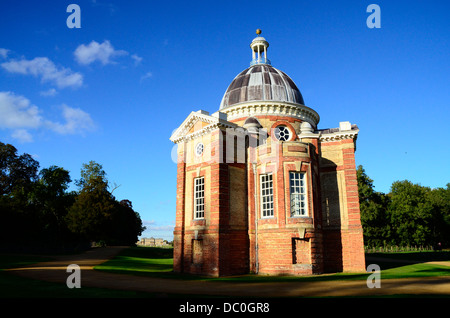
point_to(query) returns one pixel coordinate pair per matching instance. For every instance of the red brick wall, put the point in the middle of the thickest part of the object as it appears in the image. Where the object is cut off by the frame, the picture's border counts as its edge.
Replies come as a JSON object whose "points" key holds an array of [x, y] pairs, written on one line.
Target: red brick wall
{"points": [[280, 250], [352, 239], [344, 247], [214, 246], [178, 239], [219, 246]]}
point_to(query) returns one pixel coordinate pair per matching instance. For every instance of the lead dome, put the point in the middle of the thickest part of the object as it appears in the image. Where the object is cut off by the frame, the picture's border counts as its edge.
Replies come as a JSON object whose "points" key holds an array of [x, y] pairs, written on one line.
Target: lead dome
{"points": [[261, 81]]}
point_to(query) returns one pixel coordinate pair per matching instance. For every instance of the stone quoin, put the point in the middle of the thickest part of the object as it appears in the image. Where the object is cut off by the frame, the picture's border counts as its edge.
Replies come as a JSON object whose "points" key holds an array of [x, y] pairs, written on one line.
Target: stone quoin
{"points": [[260, 188]]}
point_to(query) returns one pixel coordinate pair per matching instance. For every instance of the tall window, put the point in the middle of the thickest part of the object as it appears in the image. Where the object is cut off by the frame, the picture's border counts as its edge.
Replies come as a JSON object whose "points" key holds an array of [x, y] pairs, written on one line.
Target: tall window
{"points": [[199, 198], [266, 195], [299, 205]]}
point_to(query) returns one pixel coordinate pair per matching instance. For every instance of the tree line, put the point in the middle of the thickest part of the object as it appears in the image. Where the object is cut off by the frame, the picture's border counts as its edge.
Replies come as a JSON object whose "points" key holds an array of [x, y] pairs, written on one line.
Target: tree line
{"points": [[39, 214], [409, 215]]}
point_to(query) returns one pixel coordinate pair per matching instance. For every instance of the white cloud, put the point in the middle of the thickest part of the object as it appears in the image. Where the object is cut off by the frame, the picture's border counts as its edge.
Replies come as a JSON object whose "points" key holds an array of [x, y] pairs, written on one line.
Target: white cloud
{"points": [[104, 53], [45, 69], [4, 53], [50, 92], [22, 135], [137, 59], [146, 75], [77, 122], [18, 112], [160, 228], [151, 226]]}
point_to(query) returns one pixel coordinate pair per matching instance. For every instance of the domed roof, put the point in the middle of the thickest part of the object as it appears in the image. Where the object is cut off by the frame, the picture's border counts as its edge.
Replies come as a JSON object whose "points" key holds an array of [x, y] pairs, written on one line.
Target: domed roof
{"points": [[261, 82]]}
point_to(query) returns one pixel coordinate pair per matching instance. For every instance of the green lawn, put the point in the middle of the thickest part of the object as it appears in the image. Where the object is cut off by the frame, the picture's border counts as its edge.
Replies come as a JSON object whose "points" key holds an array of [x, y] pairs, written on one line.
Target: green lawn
{"points": [[12, 286], [148, 261], [19, 260], [158, 262]]}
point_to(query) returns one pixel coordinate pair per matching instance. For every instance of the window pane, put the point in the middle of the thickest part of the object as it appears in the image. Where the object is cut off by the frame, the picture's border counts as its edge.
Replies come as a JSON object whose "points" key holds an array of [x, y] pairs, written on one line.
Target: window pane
{"points": [[298, 194], [199, 201], [266, 190]]}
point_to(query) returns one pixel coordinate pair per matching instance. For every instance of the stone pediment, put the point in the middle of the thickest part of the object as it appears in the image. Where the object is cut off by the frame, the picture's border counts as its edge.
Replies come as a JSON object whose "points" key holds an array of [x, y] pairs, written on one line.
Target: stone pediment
{"points": [[199, 123]]}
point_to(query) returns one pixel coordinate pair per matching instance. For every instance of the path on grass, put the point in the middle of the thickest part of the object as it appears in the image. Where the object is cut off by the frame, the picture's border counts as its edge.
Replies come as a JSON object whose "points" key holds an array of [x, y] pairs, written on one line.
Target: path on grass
{"points": [[55, 271]]}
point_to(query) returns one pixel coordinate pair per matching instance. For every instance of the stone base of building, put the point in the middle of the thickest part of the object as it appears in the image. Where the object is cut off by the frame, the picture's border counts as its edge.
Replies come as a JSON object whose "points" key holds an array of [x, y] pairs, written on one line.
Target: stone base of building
{"points": [[211, 254]]}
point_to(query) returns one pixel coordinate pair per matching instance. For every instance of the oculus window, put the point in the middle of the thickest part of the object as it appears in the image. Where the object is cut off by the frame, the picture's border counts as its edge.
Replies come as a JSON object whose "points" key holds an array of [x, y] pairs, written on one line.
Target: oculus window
{"points": [[282, 133], [199, 149]]}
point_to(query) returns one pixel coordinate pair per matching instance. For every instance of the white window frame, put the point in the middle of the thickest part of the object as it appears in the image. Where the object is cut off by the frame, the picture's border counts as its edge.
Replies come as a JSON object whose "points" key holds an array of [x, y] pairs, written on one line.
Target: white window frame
{"points": [[277, 132], [298, 193], [199, 198], [266, 195], [199, 148]]}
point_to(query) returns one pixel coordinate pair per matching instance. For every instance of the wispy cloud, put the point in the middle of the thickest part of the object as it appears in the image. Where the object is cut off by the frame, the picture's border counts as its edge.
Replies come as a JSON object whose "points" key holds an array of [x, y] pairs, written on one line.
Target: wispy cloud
{"points": [[50, 92], [22, 135], [77, 121], [112, 8], [94, 51], [4, 53], [146, 75], [45, 69], [19, 114], [151, 226], [137, 59]]}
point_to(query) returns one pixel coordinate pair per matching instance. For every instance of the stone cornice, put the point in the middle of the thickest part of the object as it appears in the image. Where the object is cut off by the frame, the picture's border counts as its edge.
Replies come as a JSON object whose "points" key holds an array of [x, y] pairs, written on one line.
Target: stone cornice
{"points": [[265, 108], [336, 136], [181, 134]]}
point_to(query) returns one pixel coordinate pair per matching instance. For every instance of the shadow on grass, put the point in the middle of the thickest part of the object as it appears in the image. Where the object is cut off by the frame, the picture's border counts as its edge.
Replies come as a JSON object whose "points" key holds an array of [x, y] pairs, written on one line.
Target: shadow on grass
{"points": [[148, 252], [393, 260], [17, 260], [158, 263]]}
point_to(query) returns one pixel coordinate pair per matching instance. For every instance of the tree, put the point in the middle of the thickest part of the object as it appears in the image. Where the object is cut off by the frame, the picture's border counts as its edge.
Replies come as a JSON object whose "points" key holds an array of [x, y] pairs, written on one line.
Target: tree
{"points": [[373, 211], [18, 174], [126, 224], [411, 214], [94, 205], [51, 203], [53, 219], [97, 215], [439, 201], [89, 173]]}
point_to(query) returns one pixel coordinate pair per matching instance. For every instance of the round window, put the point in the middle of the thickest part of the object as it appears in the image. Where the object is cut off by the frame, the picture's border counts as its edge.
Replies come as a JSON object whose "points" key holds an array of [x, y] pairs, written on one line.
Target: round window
{"points": [[282, 133], [199, 149]]}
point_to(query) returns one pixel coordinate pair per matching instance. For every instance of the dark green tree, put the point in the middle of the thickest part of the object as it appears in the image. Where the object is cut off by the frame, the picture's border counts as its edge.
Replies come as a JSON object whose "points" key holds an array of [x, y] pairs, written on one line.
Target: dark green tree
{"points": [[93, 207], [97, 215], [90, 172], [51, 202], [373, 207], [411, 214], [438, 200], [18, 174], [125, 225]]}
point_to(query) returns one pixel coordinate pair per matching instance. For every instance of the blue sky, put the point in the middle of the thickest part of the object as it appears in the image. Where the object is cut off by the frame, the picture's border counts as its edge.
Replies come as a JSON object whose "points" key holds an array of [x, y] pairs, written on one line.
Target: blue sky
{"points": [[115, 89]]}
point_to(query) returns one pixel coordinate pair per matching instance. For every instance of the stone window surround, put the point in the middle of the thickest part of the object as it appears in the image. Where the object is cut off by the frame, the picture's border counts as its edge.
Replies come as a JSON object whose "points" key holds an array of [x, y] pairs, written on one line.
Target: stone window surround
{"points": [[199, 209]]}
